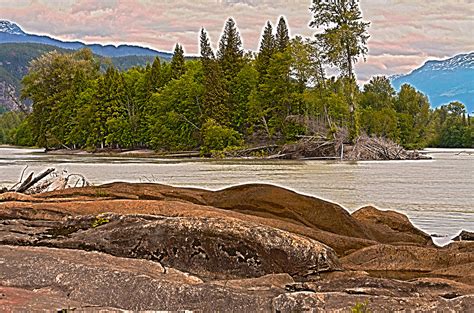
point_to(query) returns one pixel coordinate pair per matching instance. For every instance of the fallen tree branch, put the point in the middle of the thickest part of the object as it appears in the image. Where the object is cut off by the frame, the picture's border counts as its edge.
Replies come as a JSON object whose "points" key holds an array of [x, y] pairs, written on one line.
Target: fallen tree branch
{"points": [[21, 179], [32, 181]]}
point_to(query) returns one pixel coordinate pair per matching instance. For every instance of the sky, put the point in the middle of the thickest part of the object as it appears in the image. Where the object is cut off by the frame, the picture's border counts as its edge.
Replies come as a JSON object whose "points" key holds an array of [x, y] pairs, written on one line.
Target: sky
{"points": [[404, 33]]}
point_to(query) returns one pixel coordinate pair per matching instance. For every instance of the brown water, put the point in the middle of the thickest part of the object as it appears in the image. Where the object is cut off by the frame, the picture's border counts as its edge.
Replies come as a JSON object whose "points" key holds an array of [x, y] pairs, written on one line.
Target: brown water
{"points": [[437, 194]]}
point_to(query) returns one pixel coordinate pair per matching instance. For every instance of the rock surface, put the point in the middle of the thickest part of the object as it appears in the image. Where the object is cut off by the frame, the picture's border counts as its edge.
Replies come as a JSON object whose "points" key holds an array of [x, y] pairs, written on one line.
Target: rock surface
{"points": [[464, 236], [208, 247], [246, 248]]}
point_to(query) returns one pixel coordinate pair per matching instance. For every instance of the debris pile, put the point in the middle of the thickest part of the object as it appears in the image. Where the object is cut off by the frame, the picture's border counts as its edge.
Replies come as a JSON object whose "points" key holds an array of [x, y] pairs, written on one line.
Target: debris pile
{"points": [[48, 180], [338, 147]]}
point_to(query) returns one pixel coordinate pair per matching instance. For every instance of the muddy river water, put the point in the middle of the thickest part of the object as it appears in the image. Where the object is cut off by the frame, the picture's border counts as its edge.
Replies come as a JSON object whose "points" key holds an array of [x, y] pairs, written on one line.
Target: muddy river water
{"points": [[437, 195]]}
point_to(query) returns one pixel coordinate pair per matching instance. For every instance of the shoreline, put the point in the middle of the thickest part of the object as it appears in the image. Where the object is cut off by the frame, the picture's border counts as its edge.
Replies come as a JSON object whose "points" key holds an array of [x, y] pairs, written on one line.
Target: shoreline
{"points": [[148, 153]]}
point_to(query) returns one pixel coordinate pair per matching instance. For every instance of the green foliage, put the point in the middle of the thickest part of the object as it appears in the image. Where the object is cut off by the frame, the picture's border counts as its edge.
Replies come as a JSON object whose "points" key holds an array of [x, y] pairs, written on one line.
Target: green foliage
{"points": [[154, 80], [53, 84], [266, 50], [99, 221], [282, 38], [177, 62], [454, 127], [243, 85], [230, 54], [342, 42], [377, 113], [216, 96], [216, 138], [413, 111], [175, 122], [15, 58], [215, 102], [345, 36], [14, 130], [361, 307]]}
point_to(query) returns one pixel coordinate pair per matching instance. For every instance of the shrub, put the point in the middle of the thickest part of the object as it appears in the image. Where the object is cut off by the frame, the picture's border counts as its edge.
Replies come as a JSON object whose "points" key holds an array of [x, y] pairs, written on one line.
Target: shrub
{"points": [[216, 138]]}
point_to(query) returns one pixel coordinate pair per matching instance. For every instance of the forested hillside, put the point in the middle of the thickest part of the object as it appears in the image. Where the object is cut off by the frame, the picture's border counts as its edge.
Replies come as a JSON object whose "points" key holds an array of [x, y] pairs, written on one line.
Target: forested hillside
{"points": [[231, 98], [15, 57]]}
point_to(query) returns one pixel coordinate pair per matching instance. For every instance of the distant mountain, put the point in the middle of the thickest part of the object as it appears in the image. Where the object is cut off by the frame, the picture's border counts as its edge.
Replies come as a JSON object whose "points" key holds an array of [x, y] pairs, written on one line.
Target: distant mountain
{"points": [[15, 57], [443, 81], [12, 33]]}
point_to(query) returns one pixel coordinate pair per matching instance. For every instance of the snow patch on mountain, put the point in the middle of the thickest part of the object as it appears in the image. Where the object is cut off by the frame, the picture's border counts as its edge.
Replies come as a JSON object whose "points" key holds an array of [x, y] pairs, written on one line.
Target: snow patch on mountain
{"points": [[462, 61], [443, 81], [10, 28]]}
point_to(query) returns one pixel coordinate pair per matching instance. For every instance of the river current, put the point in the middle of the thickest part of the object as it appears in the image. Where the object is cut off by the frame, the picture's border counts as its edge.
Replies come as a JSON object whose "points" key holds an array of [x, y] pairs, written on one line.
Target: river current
{"points": [[437, 195]]}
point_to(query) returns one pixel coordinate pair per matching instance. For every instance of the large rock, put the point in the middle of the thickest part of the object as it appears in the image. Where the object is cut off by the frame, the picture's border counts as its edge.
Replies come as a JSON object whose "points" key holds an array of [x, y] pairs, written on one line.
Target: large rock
{"points": [[390, 226], [90, 278], [251, 246], [343, 302], [270, 205], [408, 261], [39, 279], [275, 202], [208, 247], [464, 236]]}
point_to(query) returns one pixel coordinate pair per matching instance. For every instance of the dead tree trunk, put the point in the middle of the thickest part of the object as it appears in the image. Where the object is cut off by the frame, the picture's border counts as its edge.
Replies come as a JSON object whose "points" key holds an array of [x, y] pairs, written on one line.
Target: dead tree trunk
{"points": [[31, 182]]}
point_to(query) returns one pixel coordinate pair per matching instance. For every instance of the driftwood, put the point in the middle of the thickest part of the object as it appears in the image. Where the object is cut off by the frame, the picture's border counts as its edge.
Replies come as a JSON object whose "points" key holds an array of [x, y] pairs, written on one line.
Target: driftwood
{"points": [[182, 154], [364, 148], [28, 183], [251, 151], [48, 180]]}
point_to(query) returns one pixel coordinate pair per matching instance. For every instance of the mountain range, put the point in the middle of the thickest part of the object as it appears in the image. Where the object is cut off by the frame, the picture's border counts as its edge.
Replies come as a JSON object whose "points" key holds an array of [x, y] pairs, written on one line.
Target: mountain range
{"points": [[12, 33], [443, 81]]}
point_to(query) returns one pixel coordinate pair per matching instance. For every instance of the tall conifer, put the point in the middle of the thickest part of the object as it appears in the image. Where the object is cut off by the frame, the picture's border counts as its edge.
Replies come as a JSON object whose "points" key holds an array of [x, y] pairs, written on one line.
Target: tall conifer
{"points": [[282, 35], [215, 90], [177, 62], [230, 53], [267, 48], [154, 76], [205, 46]]}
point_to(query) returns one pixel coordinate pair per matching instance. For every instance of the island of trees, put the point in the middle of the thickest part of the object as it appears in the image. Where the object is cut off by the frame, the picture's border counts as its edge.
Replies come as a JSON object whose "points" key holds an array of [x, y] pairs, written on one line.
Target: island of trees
{"points": [[231, 98]]}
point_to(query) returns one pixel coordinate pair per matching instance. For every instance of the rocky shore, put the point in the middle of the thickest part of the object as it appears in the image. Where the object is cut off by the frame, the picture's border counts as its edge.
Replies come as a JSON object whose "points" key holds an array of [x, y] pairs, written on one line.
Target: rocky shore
{"points": [[246, 248]]}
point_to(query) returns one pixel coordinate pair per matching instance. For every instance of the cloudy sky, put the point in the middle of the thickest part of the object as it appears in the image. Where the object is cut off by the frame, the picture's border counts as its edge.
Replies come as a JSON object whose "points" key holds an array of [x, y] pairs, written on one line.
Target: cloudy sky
{"points": [[404, 33]]}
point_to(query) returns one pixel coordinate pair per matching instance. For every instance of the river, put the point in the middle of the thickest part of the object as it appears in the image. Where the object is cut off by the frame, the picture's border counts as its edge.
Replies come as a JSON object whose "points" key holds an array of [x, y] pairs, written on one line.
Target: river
{"points": [[437, 195]]}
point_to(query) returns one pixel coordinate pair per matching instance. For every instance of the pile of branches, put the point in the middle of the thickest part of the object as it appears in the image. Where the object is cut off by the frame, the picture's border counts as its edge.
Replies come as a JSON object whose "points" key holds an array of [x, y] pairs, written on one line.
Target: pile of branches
{"points": [[48, 180], [311, 147], [338, 147], [378, 148]]}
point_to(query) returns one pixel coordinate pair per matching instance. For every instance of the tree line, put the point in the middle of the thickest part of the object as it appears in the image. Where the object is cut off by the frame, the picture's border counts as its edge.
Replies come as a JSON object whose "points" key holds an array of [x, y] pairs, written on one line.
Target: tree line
{"points": [[231, 97]]}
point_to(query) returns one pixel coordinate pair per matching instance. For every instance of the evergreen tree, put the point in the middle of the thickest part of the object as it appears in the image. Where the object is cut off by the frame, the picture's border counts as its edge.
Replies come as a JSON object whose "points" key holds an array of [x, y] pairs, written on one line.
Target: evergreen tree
{"points": [[175, 123], [177, 62], [154, 76], [230, 53], [215, 89], [266, 50], [205, 46], [282, 35]]}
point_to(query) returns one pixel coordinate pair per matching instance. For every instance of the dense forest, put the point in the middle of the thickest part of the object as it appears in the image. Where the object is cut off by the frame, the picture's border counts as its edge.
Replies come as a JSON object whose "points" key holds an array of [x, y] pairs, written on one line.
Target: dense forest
{"points": [[230, 98]]}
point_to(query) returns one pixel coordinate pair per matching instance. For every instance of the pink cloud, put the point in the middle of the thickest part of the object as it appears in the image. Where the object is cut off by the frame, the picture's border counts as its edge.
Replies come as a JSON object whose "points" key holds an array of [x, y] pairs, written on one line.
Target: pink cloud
{"points": [[404, 33]]}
